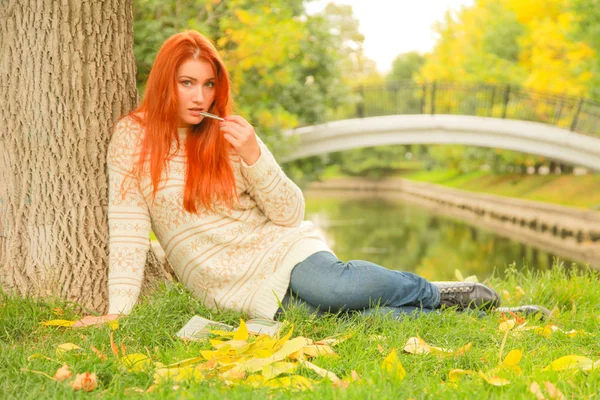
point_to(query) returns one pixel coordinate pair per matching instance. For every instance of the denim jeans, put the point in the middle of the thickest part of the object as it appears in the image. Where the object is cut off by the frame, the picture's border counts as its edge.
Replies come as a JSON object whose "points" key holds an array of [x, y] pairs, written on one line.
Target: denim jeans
{"points": [[323, 283]]}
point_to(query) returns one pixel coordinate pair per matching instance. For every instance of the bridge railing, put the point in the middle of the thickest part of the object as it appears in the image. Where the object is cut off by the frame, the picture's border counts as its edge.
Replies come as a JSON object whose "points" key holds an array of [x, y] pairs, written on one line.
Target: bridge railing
{"points": [[496, 101]]}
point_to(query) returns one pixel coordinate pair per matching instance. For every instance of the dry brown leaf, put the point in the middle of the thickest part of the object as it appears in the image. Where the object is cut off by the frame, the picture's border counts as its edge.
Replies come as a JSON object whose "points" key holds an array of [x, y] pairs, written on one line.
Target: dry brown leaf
{"points": [[63, 373], [86, 382], [332, 341], [134, 389], [553, 391], [537, 391], [58, 311], [100, 354], [342, 384], [113, 345]]}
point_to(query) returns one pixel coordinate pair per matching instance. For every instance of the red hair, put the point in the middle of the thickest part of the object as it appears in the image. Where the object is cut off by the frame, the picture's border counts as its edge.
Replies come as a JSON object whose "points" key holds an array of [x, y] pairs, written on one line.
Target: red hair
{"points": [[209, 175]]}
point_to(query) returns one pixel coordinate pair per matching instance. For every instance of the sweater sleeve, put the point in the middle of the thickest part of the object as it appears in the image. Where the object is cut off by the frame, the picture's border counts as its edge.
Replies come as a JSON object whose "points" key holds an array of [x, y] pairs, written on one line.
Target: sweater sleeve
{"points": [[128, 220], [279, 198]]}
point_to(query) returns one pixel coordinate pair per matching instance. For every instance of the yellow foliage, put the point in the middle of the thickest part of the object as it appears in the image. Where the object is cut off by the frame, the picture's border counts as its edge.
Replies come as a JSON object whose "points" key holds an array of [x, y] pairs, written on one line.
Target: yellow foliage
{"points": [[393, 366]]}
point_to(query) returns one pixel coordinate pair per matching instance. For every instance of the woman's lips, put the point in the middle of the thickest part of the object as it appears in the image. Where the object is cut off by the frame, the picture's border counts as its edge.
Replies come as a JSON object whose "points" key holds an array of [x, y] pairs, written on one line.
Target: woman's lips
{"points": [[195, 112]]}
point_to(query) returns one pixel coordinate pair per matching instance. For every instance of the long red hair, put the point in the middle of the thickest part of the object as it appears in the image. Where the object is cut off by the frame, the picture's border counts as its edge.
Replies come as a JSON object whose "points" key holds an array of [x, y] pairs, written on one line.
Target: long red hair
{"points": [[209, 175]]}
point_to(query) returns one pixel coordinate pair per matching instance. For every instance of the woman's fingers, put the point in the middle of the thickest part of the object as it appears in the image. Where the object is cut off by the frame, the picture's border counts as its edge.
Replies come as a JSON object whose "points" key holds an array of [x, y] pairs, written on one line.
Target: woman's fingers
{"points": [[233, 130], [234, 142], [239, 120]]}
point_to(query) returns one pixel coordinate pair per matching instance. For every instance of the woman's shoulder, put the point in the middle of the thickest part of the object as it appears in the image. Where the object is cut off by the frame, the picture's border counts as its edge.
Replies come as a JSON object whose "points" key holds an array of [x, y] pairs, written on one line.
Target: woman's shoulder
{"points": [[128, 129]]}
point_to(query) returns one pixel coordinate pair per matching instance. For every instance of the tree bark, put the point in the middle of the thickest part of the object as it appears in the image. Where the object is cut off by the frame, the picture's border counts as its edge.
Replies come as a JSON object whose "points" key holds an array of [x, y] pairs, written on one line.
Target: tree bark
{"points": [[67, 73]]}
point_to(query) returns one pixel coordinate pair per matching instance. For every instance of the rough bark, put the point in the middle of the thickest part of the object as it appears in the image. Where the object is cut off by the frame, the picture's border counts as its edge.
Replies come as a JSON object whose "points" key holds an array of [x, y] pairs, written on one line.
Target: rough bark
{"points": [[67, 73]]}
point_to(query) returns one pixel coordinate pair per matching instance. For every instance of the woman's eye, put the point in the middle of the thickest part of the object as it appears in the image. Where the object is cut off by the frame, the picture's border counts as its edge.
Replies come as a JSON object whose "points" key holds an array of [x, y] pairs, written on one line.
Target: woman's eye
{"points": [[186, 83], [210, 84]]}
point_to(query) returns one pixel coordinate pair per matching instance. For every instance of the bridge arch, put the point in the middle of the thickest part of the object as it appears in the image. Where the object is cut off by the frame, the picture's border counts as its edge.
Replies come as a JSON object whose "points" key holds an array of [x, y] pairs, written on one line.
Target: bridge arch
{"points": [[524, 136]]}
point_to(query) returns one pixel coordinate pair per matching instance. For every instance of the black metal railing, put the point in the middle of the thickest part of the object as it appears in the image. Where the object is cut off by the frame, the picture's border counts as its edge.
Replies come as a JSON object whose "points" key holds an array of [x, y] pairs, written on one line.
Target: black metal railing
{"points": [[486, 100]]}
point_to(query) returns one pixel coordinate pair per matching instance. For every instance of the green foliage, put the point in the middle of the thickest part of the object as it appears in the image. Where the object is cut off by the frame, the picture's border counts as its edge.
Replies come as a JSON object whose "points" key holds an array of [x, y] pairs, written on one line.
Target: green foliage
{"points": [[588, 29], [373, 162], [288, 68], [405, 67]]}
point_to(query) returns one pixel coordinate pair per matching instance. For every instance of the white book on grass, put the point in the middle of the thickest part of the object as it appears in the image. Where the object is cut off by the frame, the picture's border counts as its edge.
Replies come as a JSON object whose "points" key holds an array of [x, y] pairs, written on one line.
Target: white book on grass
{"points": [[199, 328]]}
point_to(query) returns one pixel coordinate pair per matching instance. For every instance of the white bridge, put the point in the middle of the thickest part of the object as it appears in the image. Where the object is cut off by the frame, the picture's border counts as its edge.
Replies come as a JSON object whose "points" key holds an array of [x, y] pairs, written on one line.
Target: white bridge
{"points": [[524, 136]]}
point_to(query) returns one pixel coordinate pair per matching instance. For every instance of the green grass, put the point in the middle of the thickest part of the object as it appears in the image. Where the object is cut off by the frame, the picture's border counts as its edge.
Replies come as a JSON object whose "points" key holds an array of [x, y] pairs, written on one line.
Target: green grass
{"points": [[151, 329], [569, 190]]}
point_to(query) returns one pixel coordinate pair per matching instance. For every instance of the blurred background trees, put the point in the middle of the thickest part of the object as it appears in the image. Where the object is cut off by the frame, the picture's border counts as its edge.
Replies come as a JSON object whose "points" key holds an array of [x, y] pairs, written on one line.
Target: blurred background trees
{"points": [[291, 68]]}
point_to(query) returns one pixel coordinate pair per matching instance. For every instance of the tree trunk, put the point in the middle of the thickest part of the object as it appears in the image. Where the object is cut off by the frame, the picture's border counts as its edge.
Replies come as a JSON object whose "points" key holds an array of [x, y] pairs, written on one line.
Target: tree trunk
{"points": [[67, 73]]}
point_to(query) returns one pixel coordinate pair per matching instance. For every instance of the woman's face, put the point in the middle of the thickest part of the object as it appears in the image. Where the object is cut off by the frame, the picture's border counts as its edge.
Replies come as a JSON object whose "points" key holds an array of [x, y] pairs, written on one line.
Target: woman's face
{"points": [[196, 91]]}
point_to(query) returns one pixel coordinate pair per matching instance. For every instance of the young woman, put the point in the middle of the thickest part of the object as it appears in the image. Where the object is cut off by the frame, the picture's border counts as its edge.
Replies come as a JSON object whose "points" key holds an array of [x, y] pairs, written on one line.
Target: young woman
{"points": [[230, 221]]}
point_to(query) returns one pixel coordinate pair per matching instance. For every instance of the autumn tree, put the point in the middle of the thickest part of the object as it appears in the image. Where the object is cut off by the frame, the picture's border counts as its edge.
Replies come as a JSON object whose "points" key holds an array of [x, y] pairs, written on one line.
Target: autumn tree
{"points": [[67, 73]]}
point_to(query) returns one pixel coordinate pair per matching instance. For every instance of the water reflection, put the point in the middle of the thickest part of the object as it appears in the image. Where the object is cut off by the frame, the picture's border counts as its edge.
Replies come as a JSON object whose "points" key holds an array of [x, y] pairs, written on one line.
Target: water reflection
{"points": [[403, 236]]}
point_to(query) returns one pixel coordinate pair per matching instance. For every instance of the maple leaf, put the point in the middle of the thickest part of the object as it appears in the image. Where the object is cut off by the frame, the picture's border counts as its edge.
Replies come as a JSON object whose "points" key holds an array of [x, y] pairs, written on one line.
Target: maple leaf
{"points": [[63, 373], [86, 382]]}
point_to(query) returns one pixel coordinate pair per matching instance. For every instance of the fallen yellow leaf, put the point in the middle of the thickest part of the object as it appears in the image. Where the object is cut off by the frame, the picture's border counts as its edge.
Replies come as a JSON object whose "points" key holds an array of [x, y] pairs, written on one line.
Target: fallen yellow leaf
{"points": [[277, 368], [185, 362], [136, 362], [293, 381], [519, 292], [456, 374], [255, 381], [241, 333], [570, 362], [113, 324], [393, 366], [315, 350], [58, 322], [416, 345], [322, 372], [547, 330], [66, 347], [512, 358], [494, 380], [178, 374]]}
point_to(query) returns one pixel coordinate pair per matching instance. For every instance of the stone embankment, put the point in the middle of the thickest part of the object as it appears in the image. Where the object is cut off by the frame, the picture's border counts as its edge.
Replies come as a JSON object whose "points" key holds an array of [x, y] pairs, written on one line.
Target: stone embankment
{"points": [[567, 232]]}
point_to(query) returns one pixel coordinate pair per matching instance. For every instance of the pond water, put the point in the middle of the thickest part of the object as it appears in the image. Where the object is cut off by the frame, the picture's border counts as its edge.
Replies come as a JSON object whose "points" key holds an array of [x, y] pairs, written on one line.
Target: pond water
{"points": [[406, 237]]}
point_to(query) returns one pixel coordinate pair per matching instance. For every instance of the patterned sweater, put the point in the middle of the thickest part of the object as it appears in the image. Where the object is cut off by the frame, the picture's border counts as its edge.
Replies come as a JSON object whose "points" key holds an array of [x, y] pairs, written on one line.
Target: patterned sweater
{"points": [[239, 258]]}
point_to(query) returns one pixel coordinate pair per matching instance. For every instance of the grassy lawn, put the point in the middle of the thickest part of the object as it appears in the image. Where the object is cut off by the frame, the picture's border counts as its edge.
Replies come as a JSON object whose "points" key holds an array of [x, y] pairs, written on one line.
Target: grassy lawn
{"points": [[575, 191], [151, 329]]}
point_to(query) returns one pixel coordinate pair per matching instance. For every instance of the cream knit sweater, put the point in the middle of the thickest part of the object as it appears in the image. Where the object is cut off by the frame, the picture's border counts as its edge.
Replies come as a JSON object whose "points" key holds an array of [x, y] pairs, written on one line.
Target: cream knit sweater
{"points": [[238, 258]]}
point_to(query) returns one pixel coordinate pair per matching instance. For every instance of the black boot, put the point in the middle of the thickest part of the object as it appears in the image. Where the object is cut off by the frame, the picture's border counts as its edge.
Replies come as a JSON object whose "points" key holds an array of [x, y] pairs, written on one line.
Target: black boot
{"points": [[464, 295]]}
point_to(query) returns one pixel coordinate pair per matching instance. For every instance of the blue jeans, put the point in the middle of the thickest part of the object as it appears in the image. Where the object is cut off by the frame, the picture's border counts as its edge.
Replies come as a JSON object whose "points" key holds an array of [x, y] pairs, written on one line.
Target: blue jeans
{"points": [[323, 283]]}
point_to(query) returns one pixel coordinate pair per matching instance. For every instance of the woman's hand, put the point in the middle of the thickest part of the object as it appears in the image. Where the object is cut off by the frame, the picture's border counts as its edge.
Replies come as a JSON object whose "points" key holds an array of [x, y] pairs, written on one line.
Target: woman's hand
{"points": [[93, 320], [240, 134]]}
